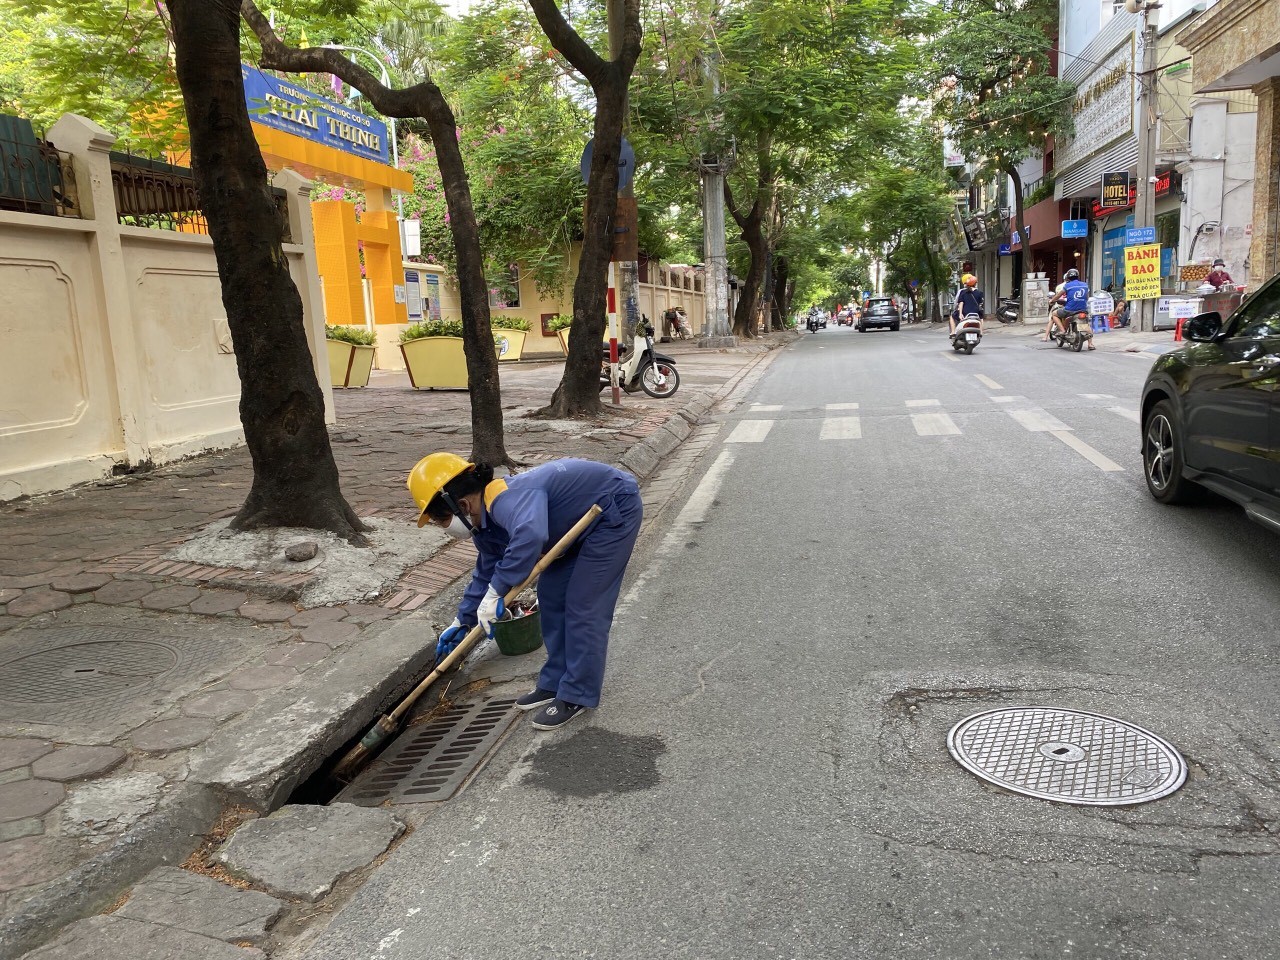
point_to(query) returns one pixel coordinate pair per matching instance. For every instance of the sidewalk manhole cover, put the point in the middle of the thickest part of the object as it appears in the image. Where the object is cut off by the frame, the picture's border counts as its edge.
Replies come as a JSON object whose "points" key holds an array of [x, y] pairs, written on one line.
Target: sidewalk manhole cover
{"points": [[84, 671], [1070, 756], [430, 762]]}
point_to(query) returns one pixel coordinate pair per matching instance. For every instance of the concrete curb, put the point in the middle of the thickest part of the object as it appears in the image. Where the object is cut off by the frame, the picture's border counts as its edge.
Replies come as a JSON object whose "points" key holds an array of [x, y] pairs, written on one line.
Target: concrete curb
{"points": [[165, 837]]}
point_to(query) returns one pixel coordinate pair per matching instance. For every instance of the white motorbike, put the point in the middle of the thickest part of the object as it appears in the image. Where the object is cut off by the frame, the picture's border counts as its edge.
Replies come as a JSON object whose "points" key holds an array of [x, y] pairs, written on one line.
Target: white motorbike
{"points": [[968, 334], [642, 368]]}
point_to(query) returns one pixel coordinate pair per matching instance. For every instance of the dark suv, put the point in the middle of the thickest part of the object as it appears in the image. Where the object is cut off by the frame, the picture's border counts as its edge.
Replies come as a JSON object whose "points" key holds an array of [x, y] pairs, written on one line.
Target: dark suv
{"points": [[879, 312], [1211, 410]]}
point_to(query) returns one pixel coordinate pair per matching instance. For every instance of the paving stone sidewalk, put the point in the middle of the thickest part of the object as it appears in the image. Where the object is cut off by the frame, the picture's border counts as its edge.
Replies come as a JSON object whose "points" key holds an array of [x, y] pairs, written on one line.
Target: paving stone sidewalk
{"points": [[117, 664]]}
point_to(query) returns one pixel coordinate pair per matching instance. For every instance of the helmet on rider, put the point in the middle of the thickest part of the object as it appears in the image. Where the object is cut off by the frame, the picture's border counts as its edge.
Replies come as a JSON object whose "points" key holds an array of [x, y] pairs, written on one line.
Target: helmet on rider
{"points": [[969, 280], [1072, 274]]}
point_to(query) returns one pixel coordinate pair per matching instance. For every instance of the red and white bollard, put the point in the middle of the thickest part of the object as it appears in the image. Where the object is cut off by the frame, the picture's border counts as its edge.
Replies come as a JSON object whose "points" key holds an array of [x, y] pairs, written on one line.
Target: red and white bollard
{"points": [[1177, 330]]}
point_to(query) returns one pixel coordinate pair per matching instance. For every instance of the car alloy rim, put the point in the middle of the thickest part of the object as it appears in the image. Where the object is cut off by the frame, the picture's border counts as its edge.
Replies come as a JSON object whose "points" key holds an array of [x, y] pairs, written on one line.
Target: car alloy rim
{"points": [[1159, 451]]}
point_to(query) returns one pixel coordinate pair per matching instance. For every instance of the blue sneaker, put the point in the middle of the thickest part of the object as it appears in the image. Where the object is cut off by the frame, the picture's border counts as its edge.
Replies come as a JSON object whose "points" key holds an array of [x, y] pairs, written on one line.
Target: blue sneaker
{"points": [[534, 699], [557, 715]]}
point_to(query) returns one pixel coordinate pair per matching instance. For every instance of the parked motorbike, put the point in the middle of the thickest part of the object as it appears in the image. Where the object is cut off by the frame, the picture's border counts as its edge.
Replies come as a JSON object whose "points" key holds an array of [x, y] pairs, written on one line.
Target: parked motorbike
{"points": [[1076, 333], [1009, 310], [968, 334], [642, 368]]}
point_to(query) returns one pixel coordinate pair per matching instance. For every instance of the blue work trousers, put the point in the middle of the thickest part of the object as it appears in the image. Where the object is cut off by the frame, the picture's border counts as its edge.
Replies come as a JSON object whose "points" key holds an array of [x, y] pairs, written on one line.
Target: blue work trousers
{"points": [[577, 595]]}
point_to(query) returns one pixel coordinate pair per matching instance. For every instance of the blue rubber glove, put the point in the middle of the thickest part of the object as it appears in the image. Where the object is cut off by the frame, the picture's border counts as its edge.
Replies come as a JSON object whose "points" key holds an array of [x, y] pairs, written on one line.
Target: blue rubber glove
{"points": [[450, 637], [491, 609]]}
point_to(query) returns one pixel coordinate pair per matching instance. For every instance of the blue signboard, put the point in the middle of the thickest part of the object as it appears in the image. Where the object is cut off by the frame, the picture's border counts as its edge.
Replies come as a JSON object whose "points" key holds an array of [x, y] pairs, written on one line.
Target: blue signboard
{"points": [[1074, 229], [274, 103], [1166, 261], [1135, 236], [1004, 250], [1113, 258], [626, 162]]}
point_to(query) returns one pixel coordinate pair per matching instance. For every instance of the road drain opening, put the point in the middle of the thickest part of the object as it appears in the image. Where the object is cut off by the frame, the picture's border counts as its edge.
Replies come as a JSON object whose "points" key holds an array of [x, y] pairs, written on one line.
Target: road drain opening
{"points": [[1068, 756], [431, 761]]}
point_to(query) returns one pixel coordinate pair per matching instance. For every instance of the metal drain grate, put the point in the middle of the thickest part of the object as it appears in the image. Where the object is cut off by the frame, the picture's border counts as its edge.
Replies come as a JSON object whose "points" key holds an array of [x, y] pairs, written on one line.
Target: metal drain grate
{"points": [[1071, 756], [431, 762]]}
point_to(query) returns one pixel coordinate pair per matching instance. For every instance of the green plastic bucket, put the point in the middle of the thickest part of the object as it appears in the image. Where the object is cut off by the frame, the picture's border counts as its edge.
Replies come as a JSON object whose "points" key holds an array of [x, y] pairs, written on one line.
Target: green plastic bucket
{"points": [[519, 636]]}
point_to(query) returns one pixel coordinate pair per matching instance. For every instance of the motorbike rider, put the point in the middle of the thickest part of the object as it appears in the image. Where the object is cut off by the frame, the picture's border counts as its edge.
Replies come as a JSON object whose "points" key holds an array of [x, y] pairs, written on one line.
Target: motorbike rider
{"points": [[968, 301], [1074, 297]]}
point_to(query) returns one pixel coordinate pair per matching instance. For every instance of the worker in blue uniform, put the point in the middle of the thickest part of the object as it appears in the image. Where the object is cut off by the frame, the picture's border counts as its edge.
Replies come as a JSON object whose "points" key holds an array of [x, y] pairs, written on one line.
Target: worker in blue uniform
{"points": [[513, 521]]}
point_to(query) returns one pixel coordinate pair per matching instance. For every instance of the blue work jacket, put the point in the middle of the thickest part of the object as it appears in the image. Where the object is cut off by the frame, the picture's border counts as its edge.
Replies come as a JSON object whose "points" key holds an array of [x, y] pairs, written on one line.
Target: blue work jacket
{"points": [[525, 515]]}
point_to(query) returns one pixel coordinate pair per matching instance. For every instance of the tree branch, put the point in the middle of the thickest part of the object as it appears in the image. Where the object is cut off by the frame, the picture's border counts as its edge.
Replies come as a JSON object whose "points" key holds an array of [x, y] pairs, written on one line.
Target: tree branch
{"points": [[566, 39]]}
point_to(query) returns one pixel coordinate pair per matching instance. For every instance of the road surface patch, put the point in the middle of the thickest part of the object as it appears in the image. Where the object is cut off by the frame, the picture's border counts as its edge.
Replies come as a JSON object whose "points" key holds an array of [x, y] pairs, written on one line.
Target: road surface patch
{"points": [[934, 425], [841, 428]]}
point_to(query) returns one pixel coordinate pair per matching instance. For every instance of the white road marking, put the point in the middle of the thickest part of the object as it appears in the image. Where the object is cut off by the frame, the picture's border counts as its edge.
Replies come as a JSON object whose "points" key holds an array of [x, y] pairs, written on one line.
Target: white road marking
{"points": [[924, 403], [1097, 396], [987, 381], [1038, 420], [1006, 399], [841, 428], [765, 407], [842, 406], [952, 357], [750, 431], [918, 340], [934, 425], [1104, 464], [1126, 413]]}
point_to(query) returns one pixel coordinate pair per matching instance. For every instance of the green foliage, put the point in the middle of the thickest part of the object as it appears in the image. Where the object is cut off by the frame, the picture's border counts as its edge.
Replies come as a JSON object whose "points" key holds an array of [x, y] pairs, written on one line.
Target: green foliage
{"points": [[509, 323], [560, 321], [357, 335], [431, 328], [1042, 192]]}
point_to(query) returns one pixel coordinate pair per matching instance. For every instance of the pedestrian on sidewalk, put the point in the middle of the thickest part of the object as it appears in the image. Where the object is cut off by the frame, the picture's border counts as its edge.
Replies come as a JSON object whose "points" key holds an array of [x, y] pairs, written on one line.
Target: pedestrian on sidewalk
{"points": [[513, 521]]}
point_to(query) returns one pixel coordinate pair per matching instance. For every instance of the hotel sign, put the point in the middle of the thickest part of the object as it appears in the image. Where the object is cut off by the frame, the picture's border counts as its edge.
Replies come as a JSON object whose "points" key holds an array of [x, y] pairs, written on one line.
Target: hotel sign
{"points": [[282, 106]]}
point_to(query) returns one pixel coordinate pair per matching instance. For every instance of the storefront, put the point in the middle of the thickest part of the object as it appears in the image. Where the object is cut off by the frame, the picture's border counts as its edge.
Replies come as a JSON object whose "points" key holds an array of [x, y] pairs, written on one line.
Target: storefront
{"points": [[1112, 223]]}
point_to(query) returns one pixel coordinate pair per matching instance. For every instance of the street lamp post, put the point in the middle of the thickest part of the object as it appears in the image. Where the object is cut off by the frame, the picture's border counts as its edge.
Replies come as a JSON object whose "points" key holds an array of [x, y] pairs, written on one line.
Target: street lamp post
{"points": [[391, 121]]}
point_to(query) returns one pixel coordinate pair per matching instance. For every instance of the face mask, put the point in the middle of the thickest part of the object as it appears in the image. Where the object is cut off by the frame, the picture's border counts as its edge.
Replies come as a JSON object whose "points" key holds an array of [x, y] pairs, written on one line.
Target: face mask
{"points": [[457, 529]]}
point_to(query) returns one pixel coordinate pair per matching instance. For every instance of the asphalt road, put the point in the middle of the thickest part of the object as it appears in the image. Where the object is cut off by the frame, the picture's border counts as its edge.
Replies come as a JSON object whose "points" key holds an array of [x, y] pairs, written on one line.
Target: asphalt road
{"points": [[768, 776]]}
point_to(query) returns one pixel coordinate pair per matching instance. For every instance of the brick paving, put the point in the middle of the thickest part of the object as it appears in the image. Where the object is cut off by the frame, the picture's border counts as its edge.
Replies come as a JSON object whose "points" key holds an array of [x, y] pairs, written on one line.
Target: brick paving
{"points": [[103, 547]]}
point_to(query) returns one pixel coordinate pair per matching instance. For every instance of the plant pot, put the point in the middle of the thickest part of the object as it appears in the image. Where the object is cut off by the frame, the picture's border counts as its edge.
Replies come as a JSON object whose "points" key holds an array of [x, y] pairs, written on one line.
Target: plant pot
{"points": [[349, 363], [435, 363], [509, 343], [563, 336]]}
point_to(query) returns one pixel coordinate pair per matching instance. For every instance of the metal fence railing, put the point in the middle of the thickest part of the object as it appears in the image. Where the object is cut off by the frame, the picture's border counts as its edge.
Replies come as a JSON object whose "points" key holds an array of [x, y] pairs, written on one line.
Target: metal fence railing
{"points": [[36, 178]]}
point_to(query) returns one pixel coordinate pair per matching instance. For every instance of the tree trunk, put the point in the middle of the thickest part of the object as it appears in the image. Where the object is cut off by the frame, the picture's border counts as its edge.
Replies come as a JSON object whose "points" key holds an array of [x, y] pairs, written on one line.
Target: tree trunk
{"points": [[295, 479], [752, 229], [1021, 226], [578, 394], [781, 294], [424, 100]]}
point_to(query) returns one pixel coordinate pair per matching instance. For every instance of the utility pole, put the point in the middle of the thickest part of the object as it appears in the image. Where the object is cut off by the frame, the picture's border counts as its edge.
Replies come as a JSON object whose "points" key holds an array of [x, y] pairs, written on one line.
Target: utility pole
{"points": [[1144, 210], [715, 324]]}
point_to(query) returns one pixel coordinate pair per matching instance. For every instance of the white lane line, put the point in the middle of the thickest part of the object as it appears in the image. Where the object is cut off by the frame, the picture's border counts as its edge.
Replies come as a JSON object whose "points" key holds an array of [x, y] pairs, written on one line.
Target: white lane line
{"points": [[750, 431], [924, 403], [1125, 412], [952, 357], [1037, 420], [918, 340], [987, 381], [1093, 456], [1097, 396], [842, 406], [934, 425], [841, 428], [1006, 399], [765, 407]]}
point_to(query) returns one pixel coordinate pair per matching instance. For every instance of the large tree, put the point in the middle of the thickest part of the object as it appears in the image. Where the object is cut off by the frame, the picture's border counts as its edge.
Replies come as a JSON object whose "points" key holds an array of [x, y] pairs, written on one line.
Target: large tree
{"points": [[295, 480]]}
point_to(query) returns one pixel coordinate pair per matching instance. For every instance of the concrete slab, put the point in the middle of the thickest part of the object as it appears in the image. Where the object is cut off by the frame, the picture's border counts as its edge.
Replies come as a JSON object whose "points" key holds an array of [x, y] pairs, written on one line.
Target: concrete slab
{"points": [[114, 936], [32, 603], [21, 751], [163, 736], [179, 898], [77, 763], [33, 860], [220, 704], [301, 851], [29, 798], [100, 810]]}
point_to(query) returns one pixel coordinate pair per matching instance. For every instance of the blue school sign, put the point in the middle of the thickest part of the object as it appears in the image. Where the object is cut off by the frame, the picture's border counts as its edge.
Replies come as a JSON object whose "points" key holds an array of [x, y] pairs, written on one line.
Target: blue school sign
{"points": [[274, 103]]}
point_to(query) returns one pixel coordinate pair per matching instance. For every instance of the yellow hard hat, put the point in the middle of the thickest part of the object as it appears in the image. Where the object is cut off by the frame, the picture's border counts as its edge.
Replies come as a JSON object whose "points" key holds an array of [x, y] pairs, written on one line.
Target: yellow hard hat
{"points": [[428, 477], [969, 280]]}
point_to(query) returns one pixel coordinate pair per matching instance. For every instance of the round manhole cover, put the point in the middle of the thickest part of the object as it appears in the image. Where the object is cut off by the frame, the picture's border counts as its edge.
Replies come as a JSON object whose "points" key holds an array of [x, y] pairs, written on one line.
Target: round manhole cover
{"points": [[84, 671], [1070, 756]]}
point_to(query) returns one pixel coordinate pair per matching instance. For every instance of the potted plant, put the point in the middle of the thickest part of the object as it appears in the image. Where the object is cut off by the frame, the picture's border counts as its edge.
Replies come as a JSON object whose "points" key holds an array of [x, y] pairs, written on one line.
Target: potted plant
{"points": [[509, 336], [351, 351], [559, 325], [432, 352]]}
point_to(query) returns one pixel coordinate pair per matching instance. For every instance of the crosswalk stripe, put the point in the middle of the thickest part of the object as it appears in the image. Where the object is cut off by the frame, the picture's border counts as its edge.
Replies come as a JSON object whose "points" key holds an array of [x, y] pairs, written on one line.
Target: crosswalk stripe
{"points": [[934, 425], [750, 431], [1008, 398], [952, 357], [924, 403], [1097, 396], [841, 428], [1093, 456], [987, 381], [1125, 412], [1037, 420], [842, 406], [765, 407]]}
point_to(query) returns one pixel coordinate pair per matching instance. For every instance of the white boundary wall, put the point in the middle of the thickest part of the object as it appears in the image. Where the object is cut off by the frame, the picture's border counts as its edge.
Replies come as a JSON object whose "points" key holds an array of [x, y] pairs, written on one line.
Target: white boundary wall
{"points": [[117, 349]]}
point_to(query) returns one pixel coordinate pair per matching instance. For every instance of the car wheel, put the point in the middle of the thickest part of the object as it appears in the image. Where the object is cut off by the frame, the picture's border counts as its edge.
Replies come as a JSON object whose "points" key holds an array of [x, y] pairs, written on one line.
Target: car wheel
{"points": [[894, 328], [1162, 456]]}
